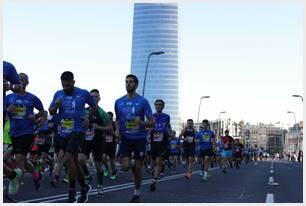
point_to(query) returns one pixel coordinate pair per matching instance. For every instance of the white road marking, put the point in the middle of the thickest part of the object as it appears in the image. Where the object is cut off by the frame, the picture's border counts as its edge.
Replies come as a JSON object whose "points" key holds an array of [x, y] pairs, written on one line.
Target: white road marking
{"points": [[110, 188], [270, 198]]}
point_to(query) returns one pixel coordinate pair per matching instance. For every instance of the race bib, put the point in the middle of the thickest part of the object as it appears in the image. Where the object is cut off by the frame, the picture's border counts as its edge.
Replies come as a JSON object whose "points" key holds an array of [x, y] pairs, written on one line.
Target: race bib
{"points": [[67, 125], [109, 138], [189, 139], [89, 135], [157, 136], [131, 124], [205, 138], [237, 150], [41, 141], [173, 146], [20, 112]]}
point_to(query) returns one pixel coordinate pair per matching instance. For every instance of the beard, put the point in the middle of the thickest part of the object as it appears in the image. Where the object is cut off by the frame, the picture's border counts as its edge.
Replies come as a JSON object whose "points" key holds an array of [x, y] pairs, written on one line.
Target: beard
{"points": [[130, 89], [68, 92]]}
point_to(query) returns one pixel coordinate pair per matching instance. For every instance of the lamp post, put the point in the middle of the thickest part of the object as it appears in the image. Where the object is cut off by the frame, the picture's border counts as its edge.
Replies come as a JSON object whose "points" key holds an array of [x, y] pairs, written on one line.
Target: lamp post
{"points": [[296, 95], [297, 132], [145, 76], [275, 148], [218, 133], [199, 110]]}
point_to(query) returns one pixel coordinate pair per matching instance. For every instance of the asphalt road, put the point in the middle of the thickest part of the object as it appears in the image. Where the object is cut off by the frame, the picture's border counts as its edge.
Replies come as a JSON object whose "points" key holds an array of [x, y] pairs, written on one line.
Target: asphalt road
{"points": [[249, 184]]}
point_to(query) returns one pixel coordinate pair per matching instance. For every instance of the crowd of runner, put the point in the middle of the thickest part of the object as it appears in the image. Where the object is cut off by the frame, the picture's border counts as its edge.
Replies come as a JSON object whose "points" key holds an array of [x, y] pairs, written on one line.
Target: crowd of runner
{"points": [[76, 133]]}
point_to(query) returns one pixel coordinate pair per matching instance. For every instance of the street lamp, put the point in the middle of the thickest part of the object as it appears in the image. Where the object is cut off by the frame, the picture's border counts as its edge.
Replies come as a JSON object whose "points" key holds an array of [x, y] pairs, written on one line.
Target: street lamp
{"points": [[297, 132], [275, 147], [218, 134], [145, 76], [200, 108], [296, 95]]}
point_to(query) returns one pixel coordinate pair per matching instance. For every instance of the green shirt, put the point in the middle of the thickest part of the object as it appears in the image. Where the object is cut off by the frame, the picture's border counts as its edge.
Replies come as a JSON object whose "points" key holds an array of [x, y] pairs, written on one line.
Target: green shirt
{"points": [[99, 117], [6, 133]]}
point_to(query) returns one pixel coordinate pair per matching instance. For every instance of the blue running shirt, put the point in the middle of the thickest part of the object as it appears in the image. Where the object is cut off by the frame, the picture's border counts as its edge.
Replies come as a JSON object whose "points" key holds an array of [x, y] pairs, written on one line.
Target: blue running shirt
{"points": [[20, 122], [126, 110], [205, 138], [160, 129], [72, 112]]}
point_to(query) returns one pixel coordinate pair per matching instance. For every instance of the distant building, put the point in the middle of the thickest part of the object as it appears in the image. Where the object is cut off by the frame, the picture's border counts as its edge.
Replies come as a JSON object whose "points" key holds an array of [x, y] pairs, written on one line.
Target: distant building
{"points": [[268, 137], [294, 134]]}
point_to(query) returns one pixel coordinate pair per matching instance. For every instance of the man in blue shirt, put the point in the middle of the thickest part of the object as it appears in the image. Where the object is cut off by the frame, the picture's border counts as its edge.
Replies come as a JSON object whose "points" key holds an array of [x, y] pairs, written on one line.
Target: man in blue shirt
{"points": [[159, 139], [205, 139], [69, 105], [131, 110], [20, 108], [10, 79], [175, 150], [10, 82]]}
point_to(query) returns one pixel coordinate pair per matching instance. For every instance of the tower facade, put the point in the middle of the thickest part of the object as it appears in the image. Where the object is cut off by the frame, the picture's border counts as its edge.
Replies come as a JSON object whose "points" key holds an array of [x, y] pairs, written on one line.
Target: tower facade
{"points": [[155, 28]]}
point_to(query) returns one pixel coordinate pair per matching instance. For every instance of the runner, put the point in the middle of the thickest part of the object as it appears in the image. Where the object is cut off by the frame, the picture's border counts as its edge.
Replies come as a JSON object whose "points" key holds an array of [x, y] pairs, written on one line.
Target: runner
{"points": [[188, 134], [69, 104], [20, 108], [110, 146], [256, 153], [175, 150], [227, 150], [131, 110], [237, 148], [159, 139], [99, 124], [220, 147], [206, 141], [59, 142], [246, 154], [10, 82], [44, 140]]}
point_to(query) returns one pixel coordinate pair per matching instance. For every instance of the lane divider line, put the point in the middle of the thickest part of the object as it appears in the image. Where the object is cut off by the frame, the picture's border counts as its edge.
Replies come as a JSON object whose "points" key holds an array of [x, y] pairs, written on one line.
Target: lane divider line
{"points": [[270, 198], [110, 188]]}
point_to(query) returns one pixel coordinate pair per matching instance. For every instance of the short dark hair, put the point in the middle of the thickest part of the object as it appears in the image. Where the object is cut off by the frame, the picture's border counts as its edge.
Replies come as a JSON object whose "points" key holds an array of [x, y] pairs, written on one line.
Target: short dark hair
{"points": [[161, 101], [24, 74], [226, 130], [95, 90], [205, 121], [134, 77], [189, 120], [67, 76]]}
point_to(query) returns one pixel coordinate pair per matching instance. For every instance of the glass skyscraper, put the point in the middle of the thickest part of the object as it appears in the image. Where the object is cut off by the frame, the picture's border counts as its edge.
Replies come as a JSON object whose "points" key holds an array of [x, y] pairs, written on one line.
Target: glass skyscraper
{"points": [[155, 28]]}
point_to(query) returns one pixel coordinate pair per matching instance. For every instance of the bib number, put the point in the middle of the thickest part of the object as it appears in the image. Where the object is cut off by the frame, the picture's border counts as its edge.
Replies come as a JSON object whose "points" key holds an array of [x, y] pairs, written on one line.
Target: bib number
{"points": [[205, 138], [67, 125], [189, 139], [89, 135], [20, 112], [157, 136], [109, 138]]}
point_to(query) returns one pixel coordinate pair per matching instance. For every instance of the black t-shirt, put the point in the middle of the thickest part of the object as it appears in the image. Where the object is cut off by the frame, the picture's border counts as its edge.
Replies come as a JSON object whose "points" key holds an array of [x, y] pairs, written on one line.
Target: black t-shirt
{"points": [[189, 136]]}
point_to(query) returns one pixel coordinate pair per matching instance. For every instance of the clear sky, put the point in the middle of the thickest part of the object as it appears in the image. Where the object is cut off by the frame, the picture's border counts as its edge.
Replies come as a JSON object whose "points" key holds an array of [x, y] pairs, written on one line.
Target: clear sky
{"points": [[247, 57]]}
